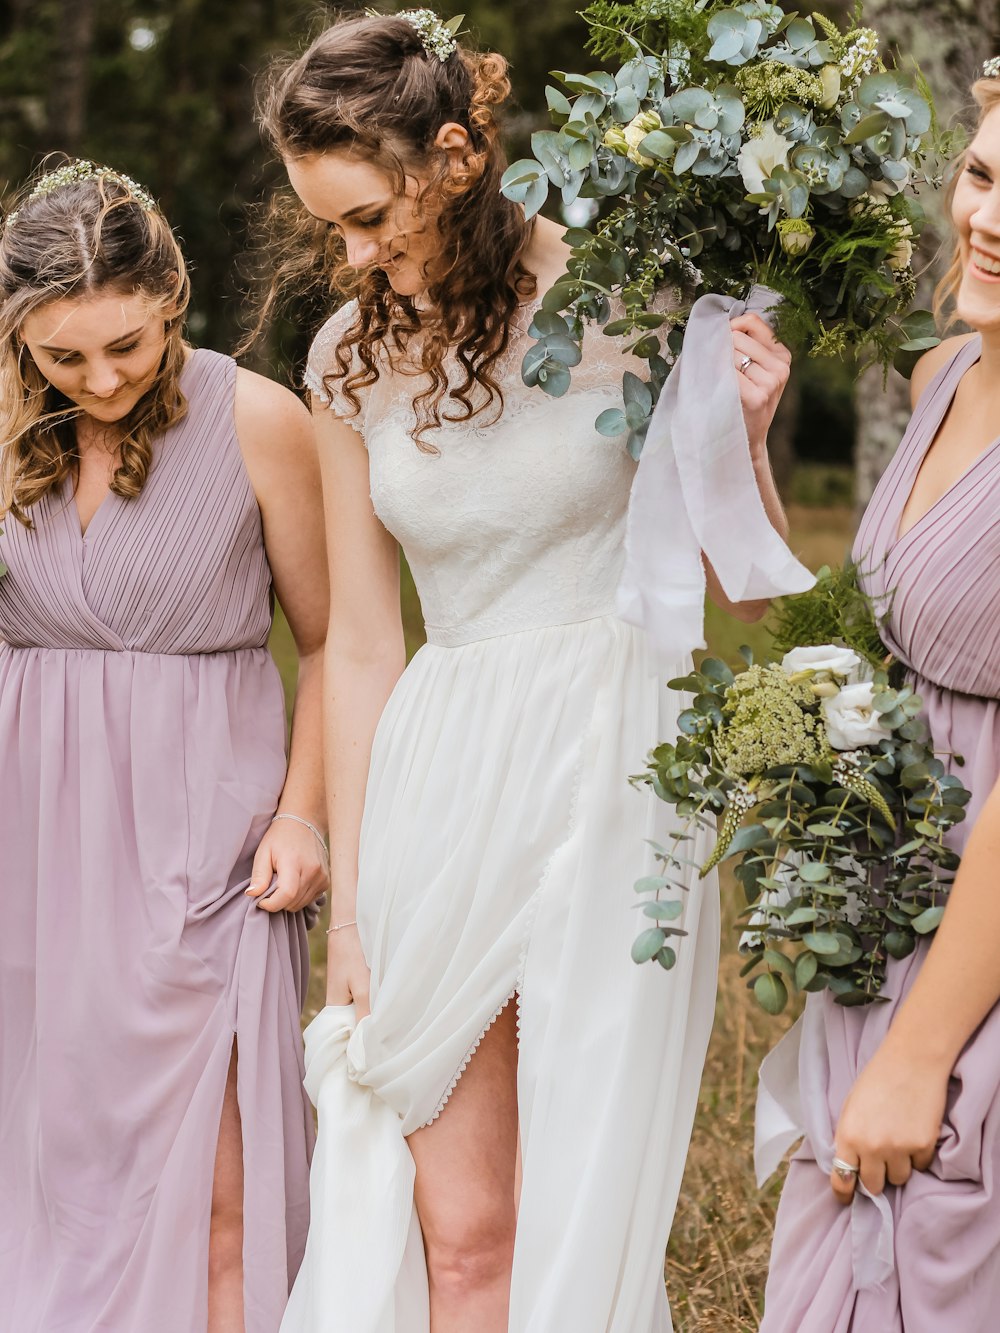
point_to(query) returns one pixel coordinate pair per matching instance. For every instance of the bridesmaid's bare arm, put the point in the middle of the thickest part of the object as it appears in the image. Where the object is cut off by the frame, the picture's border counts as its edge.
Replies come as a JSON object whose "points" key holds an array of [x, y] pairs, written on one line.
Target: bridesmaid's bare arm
{"points": [[365, 656], [279, 449], [892, 1117]]}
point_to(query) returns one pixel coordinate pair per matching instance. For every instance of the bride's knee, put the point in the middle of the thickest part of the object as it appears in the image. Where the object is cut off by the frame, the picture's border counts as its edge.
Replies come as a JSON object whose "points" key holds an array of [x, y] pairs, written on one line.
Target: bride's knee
{"points": [[476, 1255]]}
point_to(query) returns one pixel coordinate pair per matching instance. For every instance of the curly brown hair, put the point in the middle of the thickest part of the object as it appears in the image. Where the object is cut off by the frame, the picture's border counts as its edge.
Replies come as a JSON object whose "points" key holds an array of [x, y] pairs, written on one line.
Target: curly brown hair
{"points": [[75, 239], [368, 86], [986, 93]]}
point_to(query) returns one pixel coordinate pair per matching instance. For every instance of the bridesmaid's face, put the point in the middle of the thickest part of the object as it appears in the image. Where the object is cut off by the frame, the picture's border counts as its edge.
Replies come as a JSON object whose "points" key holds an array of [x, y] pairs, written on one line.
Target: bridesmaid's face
{"points": [[976, 215], [101, 351]]}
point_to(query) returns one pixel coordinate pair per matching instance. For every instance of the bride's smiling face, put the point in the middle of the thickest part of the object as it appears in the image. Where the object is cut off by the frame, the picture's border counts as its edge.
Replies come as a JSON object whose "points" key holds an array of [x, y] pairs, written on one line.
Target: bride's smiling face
{"points": [[381, 227], [976, 214]]}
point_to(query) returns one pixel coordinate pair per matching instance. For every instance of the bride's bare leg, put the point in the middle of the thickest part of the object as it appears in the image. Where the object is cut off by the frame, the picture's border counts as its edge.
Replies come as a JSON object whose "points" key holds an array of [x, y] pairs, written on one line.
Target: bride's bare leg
{"points": [[225, 1246], [465, 1189]]}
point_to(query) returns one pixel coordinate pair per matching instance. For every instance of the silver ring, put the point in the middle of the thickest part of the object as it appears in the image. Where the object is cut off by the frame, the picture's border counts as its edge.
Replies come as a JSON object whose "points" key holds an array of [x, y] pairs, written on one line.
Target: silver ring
{"points": [[745, 364], [844, 1169]]}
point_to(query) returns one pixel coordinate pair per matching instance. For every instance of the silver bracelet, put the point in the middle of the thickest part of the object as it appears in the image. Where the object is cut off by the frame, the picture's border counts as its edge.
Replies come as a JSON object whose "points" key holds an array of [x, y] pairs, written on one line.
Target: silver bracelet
{"points": [[342, 926], [311, 827]]}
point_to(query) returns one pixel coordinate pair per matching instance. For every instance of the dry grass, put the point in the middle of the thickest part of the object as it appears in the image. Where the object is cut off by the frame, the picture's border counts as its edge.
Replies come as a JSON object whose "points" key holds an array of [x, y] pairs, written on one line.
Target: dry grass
{"points": [[717, 1260]]}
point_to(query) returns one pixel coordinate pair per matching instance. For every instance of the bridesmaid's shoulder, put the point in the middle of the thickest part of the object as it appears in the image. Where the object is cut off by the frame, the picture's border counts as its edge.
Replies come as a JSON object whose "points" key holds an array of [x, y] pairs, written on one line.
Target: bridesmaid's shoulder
{"points": [[270, 418], [933, 361]]}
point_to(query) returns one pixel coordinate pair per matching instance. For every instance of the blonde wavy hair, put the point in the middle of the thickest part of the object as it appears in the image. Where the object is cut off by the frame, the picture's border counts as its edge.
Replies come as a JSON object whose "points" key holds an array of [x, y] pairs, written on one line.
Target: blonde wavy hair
{"points": [[368, 86], [987, 96], [77, 239]]}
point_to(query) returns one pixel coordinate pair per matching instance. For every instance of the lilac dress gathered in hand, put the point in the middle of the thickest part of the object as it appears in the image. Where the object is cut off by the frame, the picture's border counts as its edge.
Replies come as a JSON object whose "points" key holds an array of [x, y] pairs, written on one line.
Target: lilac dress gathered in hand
{"points": [[142, 753], [929, 1262]]}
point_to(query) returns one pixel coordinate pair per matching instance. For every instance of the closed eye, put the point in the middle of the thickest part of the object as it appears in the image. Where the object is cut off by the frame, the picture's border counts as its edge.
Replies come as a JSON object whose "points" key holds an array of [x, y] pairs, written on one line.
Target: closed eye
{"points": [[124, 351], [978, 173]]}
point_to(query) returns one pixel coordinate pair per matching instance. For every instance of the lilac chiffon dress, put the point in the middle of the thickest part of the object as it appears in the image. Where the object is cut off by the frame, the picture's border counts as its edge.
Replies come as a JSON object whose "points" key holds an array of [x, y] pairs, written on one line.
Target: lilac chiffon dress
{"points": [[142, 737], [926, 1257]]}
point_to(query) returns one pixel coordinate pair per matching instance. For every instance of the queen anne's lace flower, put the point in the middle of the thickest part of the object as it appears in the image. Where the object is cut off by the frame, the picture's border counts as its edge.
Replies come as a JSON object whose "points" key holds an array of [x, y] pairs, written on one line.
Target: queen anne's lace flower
{"points": [[991, 68], [769, 721]]}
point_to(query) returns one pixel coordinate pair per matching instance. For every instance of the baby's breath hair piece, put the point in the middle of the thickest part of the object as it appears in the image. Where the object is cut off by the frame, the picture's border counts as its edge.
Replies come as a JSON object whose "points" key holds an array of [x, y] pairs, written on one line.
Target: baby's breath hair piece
{"points": [[991, 68], [437, 37], [81, 170]]}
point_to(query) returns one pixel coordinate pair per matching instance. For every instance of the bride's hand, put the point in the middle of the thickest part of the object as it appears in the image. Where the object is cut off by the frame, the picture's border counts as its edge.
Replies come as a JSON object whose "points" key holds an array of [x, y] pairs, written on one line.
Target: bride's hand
{"points": [[762, 379], [348, 975], [890, 1123]]}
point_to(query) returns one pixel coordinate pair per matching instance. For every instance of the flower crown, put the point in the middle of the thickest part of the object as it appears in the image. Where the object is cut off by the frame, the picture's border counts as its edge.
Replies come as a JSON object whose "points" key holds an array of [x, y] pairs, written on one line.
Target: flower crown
{"points": [[74, 172], [436, 36], [991, 68]]}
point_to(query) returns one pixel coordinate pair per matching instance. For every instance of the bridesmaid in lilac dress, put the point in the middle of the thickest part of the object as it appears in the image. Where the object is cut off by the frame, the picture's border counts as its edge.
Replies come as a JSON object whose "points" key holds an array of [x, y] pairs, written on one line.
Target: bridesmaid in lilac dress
{"points": [[154, 1135], [909, 1091]]}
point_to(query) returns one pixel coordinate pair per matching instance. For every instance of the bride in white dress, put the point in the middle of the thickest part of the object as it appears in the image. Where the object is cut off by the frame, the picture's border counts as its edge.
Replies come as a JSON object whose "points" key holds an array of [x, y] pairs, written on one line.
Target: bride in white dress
{"points": [[506, 1099]]}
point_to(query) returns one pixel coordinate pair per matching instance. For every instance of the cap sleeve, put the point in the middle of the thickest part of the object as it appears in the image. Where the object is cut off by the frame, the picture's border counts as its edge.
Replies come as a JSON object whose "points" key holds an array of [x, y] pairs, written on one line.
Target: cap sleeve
{"points": [[323, 377]]}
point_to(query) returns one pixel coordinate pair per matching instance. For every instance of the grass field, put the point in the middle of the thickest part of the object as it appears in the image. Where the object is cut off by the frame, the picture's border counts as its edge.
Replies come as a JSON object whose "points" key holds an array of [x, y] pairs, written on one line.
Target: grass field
{"points": [[717, 1260]]}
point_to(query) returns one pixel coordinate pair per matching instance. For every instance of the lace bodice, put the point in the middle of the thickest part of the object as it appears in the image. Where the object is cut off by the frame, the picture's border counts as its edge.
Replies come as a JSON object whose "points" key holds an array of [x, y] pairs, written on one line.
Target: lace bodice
{"points": [[509, 526]]}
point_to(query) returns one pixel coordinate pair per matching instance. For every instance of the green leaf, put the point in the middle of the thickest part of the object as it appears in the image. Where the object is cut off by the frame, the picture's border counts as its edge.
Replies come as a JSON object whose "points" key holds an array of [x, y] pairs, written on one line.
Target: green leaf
{"points": [[666, 957], [648, 945], [771, 992], [650, 884], [928, 920], [867, 127], [822, 942], [898, 944], [801, 916], [806, 968], [611, 422], [779, 961], [557, 102], [813, 872]]}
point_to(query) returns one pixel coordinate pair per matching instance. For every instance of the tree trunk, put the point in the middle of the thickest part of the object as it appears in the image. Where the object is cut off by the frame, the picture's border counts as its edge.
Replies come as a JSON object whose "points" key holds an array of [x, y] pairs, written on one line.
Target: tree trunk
{"points": [[67, 111], [949, 40]]}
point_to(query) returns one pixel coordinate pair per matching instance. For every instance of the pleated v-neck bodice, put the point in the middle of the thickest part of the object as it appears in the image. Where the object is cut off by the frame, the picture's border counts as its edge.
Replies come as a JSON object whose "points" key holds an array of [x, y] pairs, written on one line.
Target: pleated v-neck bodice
{"points": [[179, 569], [937, 582]]}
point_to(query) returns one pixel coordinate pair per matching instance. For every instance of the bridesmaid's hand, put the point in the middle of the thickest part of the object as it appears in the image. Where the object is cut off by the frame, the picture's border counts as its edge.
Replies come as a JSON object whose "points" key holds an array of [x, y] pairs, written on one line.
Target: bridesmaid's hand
{"points": [[763, 381], [891, 1120], [348, 976], [290, 854]]}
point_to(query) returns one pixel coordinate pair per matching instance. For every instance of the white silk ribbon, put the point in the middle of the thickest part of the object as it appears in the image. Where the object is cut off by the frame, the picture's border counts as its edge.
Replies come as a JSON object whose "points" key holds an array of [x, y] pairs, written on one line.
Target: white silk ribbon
{"points": [[695, 491]]}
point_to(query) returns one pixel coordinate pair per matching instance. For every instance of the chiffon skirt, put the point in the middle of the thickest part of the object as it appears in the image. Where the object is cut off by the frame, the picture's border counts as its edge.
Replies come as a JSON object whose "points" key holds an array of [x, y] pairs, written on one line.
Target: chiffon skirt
{"points": [[134, 790], [500, 844]]}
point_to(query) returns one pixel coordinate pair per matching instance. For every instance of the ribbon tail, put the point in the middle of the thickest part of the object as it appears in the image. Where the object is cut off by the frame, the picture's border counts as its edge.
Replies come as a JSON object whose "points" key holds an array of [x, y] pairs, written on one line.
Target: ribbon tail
{"points": [[695, 492]]}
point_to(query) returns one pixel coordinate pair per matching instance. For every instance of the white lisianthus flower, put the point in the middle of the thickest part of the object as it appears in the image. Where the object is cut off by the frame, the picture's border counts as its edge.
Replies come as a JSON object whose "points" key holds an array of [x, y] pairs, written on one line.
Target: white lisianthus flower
{"points": [[842, 662], [902, 252], [851, 719], [829, 77], [759, 158], [636, 130]]}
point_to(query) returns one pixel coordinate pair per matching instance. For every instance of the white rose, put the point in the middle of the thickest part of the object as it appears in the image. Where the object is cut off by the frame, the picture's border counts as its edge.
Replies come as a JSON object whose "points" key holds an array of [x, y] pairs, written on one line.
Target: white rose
{"points": [[634, 133], [842, 662], [851, 720], [758, 158]]}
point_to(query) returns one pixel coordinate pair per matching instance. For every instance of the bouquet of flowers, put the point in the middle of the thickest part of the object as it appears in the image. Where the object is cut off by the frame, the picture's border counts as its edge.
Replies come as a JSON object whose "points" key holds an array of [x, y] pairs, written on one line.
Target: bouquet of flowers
{"points": [[735, 144], [829, 800]]}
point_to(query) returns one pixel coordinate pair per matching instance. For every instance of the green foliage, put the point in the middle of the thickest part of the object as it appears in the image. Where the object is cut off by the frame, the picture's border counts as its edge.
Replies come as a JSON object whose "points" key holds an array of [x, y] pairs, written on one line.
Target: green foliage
{"points": [[834, 610], [733, 145], [837, 836]]}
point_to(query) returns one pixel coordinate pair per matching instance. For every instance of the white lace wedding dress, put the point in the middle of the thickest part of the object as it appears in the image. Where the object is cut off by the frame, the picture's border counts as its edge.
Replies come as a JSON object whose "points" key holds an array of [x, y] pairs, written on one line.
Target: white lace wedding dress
{"points": [[500, 844]]}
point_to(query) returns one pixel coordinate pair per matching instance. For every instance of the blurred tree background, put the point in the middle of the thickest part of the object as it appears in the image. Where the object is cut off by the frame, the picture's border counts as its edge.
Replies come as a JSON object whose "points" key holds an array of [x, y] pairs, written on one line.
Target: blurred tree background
{"points": [[163, 89]]}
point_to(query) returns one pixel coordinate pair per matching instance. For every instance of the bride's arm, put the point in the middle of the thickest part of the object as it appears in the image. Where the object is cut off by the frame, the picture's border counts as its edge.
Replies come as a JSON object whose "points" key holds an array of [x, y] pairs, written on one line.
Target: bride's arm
{"points": [[761, 386], [365, 656]]}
